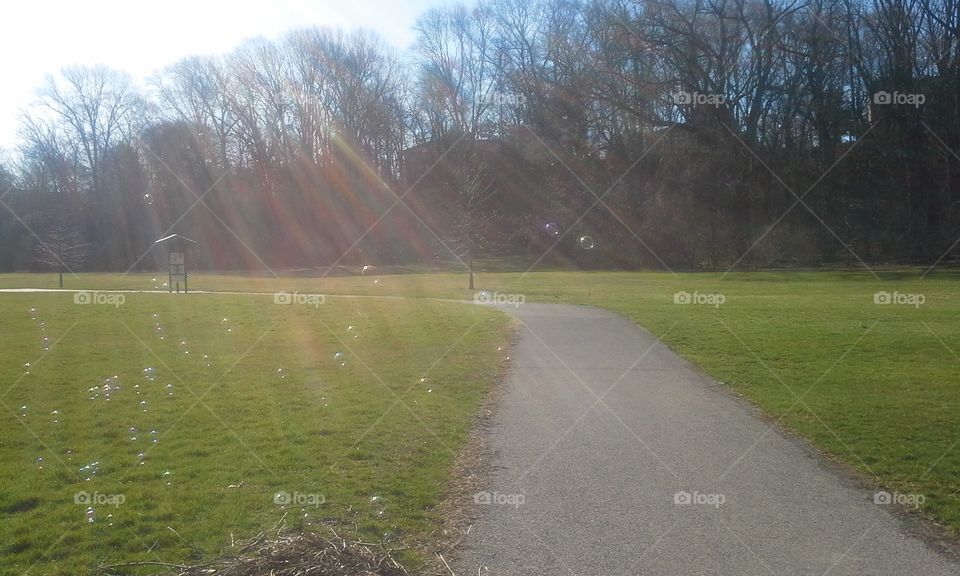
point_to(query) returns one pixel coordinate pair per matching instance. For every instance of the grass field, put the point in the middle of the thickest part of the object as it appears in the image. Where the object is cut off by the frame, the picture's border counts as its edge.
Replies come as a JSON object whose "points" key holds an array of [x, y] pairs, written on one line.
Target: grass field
{"points": [[350, 411], [874, 385]]}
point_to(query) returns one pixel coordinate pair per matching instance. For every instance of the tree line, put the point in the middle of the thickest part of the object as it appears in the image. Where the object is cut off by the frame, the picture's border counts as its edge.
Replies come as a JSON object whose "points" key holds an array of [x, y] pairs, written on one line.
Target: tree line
{"points": [[627, 133]]}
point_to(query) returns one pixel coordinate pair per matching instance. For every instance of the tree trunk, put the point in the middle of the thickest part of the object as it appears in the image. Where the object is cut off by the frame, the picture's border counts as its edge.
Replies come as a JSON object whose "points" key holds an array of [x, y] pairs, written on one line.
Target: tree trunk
{"points": [[470, 266]]}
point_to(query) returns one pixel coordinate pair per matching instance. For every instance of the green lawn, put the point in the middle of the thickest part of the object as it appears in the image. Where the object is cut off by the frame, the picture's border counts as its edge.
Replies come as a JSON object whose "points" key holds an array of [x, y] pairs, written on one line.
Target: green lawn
{"points": [[248, 400], [878, 385]]}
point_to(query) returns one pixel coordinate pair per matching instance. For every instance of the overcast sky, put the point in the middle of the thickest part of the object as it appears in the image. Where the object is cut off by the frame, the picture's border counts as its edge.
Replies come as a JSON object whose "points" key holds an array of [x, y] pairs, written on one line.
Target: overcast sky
{"points": [[39, 37]]}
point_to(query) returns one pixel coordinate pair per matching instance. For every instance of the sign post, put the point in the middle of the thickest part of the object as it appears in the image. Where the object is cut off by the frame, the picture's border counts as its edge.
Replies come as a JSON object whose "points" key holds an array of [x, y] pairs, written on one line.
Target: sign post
{"points": [[178, 271], [177, 260]]}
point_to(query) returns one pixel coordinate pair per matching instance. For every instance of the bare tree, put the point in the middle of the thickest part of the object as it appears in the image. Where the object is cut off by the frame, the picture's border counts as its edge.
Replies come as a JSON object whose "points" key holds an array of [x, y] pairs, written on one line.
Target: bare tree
{"points": [[96, 108], [61, 246], [474, 188]]}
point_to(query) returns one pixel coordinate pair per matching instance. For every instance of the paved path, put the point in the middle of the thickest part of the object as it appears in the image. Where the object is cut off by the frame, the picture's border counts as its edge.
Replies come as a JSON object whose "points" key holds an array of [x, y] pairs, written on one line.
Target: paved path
{"points": [[600, 426]]}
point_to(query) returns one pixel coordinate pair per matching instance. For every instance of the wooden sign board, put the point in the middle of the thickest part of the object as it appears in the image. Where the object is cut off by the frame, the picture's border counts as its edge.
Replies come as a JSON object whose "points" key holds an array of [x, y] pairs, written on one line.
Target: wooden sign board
{"points": [[178, 269]]}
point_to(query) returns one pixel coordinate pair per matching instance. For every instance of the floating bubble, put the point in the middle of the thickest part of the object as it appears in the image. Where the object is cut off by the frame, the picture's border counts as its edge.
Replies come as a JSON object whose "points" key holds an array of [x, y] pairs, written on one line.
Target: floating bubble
{"points": [[148, 199], [149, 373], [350, 328], [90, 470], [40, 462], [143, 405], [586, 242], [141, 457], [280, 373], [367, 268], [551, 229], [378, 503], [91, 515]]}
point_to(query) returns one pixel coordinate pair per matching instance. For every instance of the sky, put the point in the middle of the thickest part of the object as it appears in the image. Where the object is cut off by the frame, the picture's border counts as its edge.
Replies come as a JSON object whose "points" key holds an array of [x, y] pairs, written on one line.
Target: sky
{"points": [[40, 37]]}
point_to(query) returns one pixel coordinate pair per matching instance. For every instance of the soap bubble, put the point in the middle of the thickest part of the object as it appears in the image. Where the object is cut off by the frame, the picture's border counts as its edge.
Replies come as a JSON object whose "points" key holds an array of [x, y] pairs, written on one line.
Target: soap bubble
{"points": [[551, 229], [379, 505], [90, 470], [586, 242]]}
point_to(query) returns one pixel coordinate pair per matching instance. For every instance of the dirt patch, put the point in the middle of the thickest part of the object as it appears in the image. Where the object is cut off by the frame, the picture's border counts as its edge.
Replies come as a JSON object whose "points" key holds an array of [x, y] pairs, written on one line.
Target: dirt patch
{"points": [[290, 555], [470, 474]]}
